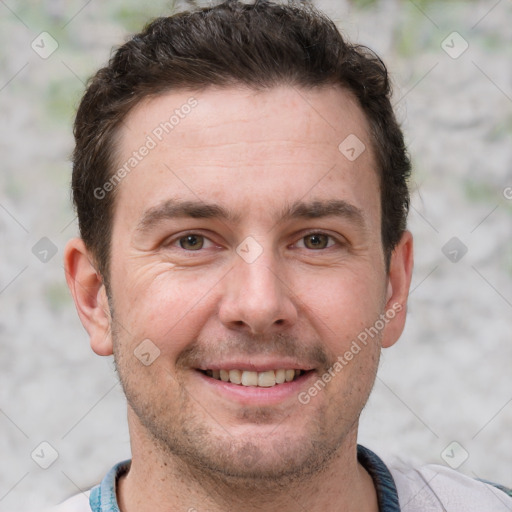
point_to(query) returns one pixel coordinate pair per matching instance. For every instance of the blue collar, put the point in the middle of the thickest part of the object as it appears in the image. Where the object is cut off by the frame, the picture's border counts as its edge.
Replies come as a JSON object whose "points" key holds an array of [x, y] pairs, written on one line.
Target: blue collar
{"points": [[103, 496], [387, 495]]}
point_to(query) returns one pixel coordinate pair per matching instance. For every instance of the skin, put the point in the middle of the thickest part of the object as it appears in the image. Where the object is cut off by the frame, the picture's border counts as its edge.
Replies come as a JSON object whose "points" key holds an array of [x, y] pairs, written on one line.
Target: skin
{"points": [[301, 302]]}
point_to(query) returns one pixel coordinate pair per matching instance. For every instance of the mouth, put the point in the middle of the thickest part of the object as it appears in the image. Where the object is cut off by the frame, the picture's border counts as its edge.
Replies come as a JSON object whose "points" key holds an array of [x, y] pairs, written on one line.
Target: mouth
{"points": [[256, 383], [264, 379]]}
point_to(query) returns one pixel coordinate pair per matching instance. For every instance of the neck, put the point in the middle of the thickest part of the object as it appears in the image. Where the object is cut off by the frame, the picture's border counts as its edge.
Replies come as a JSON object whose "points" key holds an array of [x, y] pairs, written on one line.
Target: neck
{"points": [[159, 481]]}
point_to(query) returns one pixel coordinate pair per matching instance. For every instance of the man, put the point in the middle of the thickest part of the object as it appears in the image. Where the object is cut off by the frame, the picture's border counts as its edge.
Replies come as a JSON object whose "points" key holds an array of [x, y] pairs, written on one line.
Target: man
{"points": [[241, 187]]}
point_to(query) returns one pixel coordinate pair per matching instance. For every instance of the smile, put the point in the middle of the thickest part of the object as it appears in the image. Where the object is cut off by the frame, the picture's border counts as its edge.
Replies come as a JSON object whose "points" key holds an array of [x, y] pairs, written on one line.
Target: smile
{"points": [[264, 379]]}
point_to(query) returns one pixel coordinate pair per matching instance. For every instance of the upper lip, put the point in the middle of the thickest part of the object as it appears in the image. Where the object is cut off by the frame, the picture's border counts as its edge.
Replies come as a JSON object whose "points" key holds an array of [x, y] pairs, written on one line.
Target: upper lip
{"points": [[262, 366]]}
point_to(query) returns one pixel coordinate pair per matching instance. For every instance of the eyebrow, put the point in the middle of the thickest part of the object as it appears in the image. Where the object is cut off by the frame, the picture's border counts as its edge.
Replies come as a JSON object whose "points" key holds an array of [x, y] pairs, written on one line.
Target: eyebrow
{"points": [[318, 209], [173, 208]]}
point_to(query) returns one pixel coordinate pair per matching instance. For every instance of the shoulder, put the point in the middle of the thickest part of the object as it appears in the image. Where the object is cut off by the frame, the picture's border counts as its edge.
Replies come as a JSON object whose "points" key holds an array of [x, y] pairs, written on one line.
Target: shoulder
{"points": [[78, 503], [435, 488]]}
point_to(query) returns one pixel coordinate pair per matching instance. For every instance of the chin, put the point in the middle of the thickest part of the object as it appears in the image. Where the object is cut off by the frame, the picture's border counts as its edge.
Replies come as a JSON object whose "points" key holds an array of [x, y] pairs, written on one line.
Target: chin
{"points": [[249, 456]]}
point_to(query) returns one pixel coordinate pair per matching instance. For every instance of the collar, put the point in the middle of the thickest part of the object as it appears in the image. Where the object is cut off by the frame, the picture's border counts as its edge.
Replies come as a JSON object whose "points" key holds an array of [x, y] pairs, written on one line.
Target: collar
{"points": [[103, 496]]}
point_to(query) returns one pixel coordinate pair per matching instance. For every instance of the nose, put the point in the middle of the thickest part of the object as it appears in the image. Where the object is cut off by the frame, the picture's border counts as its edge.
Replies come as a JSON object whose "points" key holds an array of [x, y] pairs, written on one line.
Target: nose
{"points": [[257, 299]]}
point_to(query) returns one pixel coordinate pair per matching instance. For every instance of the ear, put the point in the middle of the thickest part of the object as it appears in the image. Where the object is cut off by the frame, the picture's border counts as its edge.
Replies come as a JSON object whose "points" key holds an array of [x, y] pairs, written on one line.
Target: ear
{"points": [[86, 286], [399, 281]]}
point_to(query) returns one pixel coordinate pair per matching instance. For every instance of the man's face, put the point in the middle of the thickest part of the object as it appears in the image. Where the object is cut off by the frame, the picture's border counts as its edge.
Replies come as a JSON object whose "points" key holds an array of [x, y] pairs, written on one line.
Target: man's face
{"points": [[286, 280]]}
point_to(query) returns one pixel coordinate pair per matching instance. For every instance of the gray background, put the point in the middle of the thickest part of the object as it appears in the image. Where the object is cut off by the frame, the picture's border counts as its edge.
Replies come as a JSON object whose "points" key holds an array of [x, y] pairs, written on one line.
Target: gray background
{"points": [[449, 377]]}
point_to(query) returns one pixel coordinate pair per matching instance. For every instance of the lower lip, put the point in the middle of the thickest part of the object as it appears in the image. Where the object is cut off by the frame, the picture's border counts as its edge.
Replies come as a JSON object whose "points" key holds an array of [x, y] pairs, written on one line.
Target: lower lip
{"points": [[253, 395]]}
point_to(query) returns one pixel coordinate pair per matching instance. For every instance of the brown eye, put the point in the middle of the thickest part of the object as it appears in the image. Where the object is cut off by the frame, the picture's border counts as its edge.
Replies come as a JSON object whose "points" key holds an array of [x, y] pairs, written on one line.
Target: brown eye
{"points": [[316, 241], [191, 242]]}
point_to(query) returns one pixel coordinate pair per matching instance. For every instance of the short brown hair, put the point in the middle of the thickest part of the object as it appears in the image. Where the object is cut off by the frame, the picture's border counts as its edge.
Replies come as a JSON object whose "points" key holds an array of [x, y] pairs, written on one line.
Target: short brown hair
{"points": [[260, 45]]}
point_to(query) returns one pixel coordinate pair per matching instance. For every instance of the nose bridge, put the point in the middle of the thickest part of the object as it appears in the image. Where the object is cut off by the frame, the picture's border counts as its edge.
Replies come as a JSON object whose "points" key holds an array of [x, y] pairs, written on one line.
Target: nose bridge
{"points": [[260, 280], [256, 296]]}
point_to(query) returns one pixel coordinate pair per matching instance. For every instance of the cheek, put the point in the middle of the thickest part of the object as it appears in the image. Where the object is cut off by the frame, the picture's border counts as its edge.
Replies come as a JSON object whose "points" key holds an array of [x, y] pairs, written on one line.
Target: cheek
{"points": [[345, 300], [166, 306]]}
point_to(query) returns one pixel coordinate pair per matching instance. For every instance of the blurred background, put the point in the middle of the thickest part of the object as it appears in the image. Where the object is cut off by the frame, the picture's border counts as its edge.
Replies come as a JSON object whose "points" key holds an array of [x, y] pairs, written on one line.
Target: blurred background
{"points": [[444, 391]]}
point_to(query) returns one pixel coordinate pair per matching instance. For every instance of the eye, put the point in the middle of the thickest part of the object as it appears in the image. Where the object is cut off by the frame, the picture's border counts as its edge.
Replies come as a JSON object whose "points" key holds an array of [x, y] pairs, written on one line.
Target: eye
{"points": [[192, 242], [317, 241]]}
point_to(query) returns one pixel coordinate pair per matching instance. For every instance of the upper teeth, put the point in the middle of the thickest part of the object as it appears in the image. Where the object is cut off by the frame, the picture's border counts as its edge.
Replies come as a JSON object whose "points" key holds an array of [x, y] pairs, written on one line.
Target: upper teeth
{"points": [[250, 378]]}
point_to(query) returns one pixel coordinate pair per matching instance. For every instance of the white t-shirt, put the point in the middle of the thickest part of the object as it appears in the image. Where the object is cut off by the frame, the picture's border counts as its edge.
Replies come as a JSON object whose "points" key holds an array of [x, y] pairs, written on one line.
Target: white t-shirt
{"points": [[434, 488]]}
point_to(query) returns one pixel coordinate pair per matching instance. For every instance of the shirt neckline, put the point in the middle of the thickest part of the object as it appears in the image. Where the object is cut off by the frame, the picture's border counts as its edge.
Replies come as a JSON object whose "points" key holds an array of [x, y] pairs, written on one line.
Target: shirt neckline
{"points": [[387, 494], [103, 496]]}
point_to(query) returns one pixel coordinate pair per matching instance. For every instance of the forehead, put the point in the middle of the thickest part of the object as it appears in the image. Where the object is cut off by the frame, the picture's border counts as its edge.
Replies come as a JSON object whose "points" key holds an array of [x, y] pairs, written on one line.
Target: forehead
{"points": [[247, 148], [235, 113]]}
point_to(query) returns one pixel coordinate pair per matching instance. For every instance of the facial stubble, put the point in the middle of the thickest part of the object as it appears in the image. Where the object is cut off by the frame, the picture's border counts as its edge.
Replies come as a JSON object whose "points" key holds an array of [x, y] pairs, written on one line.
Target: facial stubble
{"points": [[186, 435]]}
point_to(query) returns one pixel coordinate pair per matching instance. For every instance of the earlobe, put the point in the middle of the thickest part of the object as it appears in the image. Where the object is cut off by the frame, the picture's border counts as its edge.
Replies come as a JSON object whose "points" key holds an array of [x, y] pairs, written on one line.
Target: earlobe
{"points": [[89, 294], [399, 281]]}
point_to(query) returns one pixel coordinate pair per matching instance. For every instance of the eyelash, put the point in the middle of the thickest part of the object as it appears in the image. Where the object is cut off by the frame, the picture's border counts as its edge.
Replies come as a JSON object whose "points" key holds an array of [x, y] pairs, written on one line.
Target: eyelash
{"points": [[321, 233], [193, 233]]}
